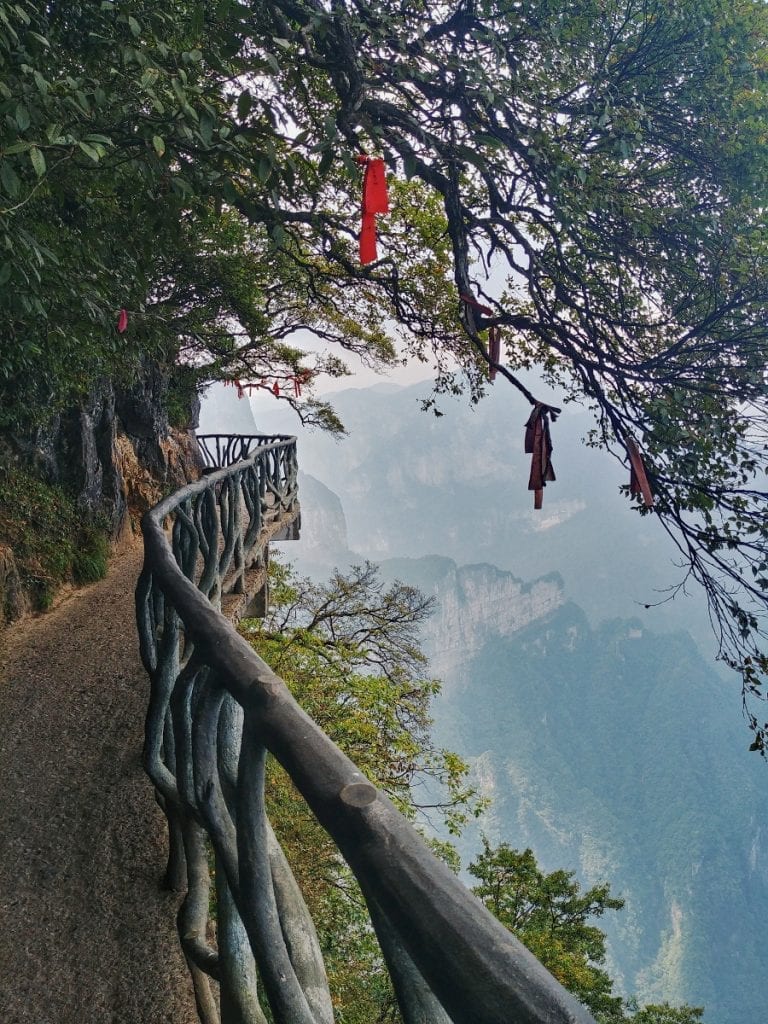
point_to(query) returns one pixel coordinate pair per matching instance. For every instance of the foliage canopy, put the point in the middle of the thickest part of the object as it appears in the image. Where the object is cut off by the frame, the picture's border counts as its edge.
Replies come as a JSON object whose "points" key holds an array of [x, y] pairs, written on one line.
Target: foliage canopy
{"points": [[193, 163]]}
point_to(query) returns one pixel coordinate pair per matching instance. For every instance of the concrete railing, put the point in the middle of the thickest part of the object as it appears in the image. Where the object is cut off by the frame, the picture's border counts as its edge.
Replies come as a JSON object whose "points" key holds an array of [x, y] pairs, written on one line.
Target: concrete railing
{"points": [[216, 710]]}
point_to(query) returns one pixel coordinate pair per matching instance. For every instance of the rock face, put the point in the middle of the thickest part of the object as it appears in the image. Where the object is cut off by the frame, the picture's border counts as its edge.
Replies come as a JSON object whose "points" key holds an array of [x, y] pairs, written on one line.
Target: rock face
{"points": [[477, 602], [474, 604], [115, 455], [117, 452], [13, 599], [613, 751], [323, 543]]}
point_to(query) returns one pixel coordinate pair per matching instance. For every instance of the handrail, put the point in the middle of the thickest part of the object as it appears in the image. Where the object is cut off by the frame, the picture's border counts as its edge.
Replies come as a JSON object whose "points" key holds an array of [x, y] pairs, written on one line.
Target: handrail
{"points": [[225, 449], [215, 711]]}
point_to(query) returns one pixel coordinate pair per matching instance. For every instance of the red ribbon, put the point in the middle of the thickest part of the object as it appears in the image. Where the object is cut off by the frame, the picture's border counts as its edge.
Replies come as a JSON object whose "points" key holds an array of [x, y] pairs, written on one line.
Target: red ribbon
{"points": [[638, 481], [475, 304], [122, 321], [494, 350], [538, 444], [375, 200]]}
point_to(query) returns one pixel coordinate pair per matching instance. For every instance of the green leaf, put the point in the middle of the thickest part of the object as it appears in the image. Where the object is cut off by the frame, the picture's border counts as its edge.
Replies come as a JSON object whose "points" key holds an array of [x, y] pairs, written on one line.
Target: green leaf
{"points": [[17, 147], [10, 179], [134, 26], [90, 151], [489, 140], [5, 273], [206, 129], [38, 161], [325, 162], [244, 104], [21, 116], [159, 144], [263, 168], [149, 77], [41, 83]]}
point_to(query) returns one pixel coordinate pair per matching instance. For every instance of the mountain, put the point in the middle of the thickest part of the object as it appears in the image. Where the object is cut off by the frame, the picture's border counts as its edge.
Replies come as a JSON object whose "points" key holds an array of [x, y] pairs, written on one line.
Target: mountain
{"points": [[323, 542], [412, 484], [222, 412], [612, 751]]}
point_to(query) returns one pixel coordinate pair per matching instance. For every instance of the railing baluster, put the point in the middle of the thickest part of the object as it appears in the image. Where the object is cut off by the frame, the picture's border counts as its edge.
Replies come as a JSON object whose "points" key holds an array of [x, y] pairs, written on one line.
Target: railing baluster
{"points": [[258, 904]]}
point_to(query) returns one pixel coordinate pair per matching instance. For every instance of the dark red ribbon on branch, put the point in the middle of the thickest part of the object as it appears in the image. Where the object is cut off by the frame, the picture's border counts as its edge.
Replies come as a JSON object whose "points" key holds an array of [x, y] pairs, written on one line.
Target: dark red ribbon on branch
{"points": [[375, 200], [122, 321], [494, 333], [475, 304], [494, 350], [538, 444], [638, 481]]}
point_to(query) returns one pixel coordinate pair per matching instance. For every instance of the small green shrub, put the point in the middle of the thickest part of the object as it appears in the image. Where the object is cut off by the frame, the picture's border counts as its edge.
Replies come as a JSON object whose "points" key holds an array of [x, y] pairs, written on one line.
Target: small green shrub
{"points": [[44, 528], [91, 557]]}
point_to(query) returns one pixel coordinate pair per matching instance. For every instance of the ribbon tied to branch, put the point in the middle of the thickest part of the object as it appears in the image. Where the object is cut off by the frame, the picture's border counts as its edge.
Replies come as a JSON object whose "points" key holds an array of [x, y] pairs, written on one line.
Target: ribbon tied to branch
{"points": [[494, 333], [538, 445], [375, 200], [638, 481]]}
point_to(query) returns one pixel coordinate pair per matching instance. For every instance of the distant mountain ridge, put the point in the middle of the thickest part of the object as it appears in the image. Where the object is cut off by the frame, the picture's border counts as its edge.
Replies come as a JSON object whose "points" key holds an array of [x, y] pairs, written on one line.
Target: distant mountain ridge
{"points": [[612, 751], [474, 604]]}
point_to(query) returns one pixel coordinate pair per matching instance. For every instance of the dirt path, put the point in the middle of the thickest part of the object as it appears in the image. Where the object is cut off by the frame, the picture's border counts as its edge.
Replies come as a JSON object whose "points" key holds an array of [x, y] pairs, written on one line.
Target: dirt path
{"points": [[86, 935]]}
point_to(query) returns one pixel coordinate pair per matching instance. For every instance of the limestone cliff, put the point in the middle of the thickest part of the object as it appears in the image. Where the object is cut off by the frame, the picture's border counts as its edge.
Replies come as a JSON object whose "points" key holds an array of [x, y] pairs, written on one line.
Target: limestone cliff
{"points": [[473, 604], [114, 456], [476, 602]]}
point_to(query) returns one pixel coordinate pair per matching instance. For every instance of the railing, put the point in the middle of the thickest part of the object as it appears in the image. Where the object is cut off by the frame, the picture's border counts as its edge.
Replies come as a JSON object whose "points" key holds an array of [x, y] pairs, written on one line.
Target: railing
{"points": [[225, 449], [216, 710]]}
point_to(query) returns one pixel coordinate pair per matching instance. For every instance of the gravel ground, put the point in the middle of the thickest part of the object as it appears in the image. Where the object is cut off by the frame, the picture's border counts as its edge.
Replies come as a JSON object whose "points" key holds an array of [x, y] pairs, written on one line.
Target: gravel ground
{"points": [[86, 934]]}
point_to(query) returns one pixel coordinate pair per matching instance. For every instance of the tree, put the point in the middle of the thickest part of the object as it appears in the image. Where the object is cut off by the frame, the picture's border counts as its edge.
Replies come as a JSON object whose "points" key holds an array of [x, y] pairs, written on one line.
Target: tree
{"points": [[554, 918], [349, 651], [606, 157]]}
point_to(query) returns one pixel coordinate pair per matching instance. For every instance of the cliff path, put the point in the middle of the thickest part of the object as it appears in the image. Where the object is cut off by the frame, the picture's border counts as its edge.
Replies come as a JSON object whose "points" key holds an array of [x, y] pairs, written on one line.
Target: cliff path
{"points": [[86, 933]]}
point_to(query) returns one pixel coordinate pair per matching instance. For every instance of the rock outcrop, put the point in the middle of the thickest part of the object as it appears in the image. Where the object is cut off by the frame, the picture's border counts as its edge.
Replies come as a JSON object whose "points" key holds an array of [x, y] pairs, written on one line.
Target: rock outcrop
{"points": [[115, 455]]}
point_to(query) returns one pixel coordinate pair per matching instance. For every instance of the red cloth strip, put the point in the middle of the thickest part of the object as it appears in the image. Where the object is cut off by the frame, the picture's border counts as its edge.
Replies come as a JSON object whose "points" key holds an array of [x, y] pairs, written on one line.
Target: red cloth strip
{"points": [[368, 251], [638, 481], [475, 304], [375, 200], [538, 445]]}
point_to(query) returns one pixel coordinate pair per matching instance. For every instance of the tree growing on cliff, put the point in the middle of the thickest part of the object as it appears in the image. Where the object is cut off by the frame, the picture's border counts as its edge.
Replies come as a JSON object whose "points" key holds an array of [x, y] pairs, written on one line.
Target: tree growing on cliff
{"points": [[555, 919], [196, 167]]}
